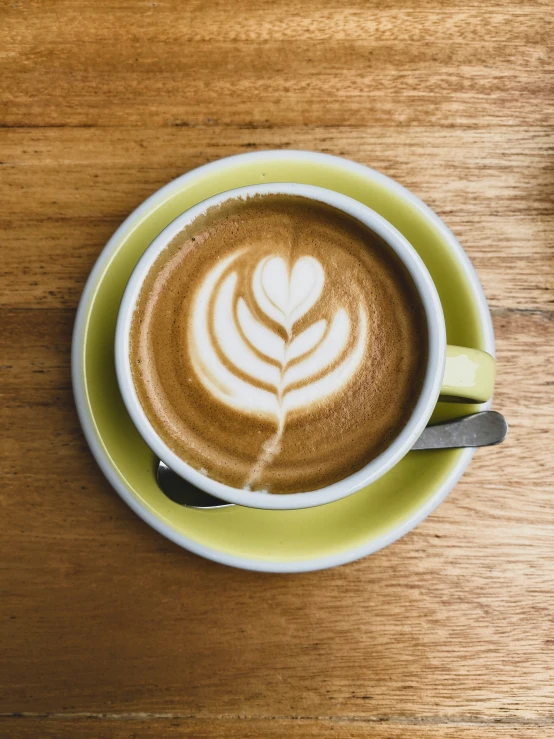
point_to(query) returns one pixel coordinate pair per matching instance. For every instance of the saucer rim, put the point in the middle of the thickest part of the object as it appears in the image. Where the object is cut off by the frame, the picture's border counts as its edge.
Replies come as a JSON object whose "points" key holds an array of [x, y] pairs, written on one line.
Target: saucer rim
{"points": [[94, 439]]}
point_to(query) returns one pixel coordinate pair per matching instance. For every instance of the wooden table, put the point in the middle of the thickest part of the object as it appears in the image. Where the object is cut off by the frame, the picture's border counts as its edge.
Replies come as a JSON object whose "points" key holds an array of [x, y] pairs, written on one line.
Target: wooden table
{"points": [[109, 630]]}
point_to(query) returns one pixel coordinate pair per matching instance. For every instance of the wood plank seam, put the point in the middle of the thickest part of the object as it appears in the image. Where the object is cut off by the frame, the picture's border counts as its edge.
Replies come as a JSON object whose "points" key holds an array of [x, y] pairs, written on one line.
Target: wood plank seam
{"points": [[396, 719]]}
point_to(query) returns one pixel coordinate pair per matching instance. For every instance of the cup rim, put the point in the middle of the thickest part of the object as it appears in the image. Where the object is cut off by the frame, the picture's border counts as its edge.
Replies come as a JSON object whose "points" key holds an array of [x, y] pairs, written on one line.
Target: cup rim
{"points": [[375, 468]]}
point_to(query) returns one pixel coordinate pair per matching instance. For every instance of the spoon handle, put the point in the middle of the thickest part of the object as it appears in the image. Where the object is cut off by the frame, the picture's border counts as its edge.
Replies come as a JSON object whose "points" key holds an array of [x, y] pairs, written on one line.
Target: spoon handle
{"points": [[480, 429]]}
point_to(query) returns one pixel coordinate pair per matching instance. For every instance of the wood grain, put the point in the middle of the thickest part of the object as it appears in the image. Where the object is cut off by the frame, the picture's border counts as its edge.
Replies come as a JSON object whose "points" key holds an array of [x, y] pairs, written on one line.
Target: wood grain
{"points": [[183, 728], [291, 62], [494, 188], [110, 630]]}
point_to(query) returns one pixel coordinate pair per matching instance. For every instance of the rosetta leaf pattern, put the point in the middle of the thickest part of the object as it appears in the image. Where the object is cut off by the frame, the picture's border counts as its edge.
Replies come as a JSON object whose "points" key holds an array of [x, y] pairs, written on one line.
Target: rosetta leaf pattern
{"points": [[248, 365]]}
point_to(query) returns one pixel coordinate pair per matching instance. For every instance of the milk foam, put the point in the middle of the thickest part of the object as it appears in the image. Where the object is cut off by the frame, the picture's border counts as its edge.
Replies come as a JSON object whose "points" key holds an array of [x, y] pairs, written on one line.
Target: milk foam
{"points": [[277, 344], [242, 362], [226, 344]]}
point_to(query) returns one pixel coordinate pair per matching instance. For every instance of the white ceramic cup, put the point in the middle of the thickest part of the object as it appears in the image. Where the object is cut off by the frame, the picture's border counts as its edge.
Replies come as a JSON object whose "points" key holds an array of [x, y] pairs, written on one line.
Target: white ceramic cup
{"points": [[426, 402]]}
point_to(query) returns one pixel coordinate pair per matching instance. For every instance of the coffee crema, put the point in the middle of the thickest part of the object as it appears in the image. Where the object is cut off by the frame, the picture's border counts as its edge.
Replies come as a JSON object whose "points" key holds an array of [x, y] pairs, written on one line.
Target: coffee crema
{"points": [[278, 344]]}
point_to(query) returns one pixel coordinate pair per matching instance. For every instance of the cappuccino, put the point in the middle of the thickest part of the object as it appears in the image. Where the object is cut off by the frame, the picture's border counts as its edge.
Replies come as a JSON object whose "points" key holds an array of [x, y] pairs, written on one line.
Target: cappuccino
{"points": [[278, 344]]}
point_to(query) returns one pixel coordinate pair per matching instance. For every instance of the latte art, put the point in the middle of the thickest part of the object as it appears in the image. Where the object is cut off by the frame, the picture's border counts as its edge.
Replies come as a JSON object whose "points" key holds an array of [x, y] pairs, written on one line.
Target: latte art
{"points": [[243, 362], [277, 345], [265, 372]]}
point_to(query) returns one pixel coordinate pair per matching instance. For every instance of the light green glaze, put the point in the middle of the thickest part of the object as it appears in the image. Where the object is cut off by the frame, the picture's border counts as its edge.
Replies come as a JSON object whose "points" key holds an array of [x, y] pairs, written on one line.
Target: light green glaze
{"points": [[275, 535], [468, 373]]}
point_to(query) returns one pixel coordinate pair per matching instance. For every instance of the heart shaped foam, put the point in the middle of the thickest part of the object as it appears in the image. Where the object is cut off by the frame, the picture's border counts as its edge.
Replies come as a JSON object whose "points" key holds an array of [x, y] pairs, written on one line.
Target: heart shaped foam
{"points": [[287, 296]]}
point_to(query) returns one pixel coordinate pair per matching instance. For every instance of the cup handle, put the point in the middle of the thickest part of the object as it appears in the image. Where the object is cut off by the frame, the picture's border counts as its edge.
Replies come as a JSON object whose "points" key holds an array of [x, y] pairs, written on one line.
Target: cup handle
{"points": [[469, 375]]}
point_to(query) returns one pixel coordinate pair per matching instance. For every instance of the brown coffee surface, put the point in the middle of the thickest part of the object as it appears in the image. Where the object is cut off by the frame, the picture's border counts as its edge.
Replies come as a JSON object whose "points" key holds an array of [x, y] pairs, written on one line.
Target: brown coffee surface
{"points": [[278, 344]]}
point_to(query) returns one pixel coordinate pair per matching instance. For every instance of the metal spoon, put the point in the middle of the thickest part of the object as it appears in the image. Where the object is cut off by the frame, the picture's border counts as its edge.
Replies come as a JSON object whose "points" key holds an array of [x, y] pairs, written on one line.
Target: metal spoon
{"points": [[480, 429], [486, 428], [182, 492]]}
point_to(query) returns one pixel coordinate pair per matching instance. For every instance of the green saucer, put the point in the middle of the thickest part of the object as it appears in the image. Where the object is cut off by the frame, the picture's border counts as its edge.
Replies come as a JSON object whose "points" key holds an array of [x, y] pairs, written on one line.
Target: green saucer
{"points": [[279, 541]]}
